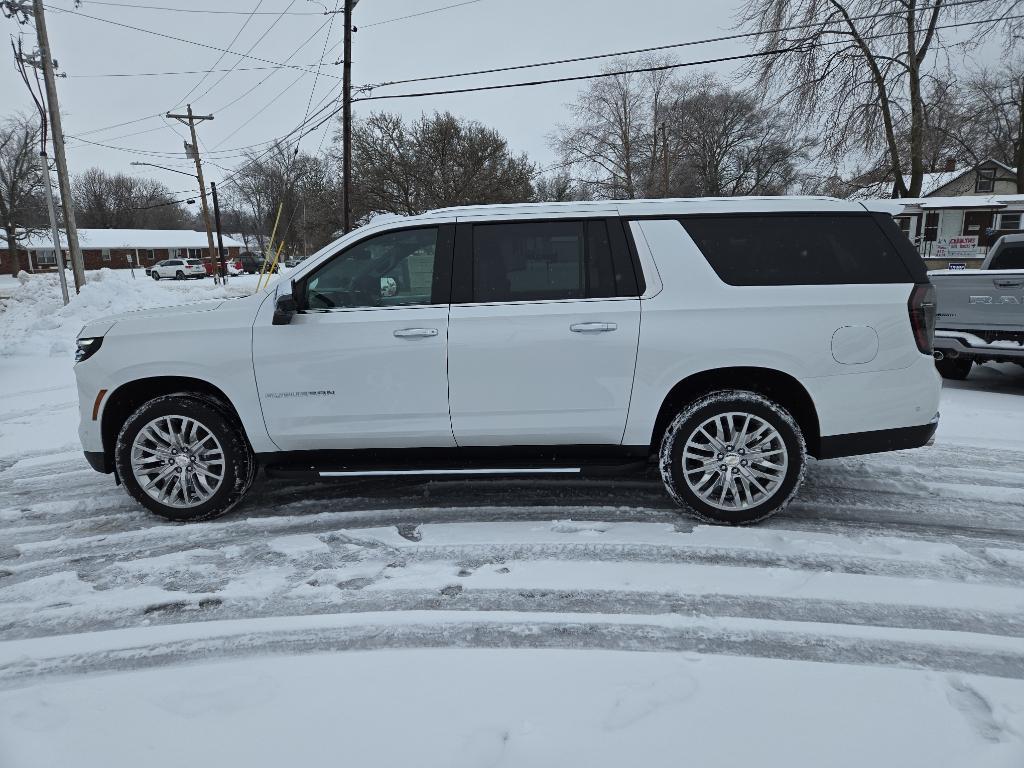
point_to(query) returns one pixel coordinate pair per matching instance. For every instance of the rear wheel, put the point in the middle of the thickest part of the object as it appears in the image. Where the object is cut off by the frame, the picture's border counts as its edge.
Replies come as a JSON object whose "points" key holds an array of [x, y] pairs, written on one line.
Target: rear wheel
{"points": [[733, 457], [183, 458], [179, 275], [955, 368]]}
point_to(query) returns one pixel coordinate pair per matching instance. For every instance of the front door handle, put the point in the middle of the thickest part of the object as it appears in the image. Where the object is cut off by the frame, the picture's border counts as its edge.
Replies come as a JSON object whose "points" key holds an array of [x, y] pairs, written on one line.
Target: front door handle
{"points": [[593, 327], [1008, 283], [416, 333]]}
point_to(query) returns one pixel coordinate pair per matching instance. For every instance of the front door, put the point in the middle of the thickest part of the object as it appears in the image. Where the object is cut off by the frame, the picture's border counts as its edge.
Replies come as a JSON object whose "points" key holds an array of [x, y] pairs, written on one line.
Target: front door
{"points": [[364, 363], [543, 340], [978, 223]]}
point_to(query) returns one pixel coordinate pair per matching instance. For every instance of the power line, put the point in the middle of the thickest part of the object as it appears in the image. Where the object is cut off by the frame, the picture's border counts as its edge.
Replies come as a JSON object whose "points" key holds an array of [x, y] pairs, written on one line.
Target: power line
{"points": [[252, 47], [323, 53], [415, 15], [182, 40], [202, 10], [576, 78], [180, 72], [655, 48], [223, 53], [661, 68]]}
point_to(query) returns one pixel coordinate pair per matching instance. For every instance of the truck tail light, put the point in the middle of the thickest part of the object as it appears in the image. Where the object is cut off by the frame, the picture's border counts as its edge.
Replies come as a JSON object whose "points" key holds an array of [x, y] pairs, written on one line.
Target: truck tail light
{"points": [[922, 316]]}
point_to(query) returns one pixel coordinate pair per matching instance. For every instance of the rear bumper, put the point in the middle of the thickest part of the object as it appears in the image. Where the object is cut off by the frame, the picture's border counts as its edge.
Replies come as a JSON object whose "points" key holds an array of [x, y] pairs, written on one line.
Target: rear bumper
{"points": [[965, 344], [880, 441]]}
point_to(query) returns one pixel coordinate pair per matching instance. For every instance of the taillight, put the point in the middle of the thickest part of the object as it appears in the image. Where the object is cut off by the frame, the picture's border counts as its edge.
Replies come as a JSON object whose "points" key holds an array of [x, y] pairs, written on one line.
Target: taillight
{"points": [[922, 316]]}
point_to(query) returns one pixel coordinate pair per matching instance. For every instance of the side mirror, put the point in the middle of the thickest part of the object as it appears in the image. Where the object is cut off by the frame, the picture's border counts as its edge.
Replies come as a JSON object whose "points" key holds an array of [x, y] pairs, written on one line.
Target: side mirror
{"points": [[285, 309]]}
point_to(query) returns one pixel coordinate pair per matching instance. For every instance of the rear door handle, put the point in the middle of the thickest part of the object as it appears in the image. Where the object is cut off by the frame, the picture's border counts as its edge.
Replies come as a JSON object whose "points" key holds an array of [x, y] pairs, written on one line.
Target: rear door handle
{"points": [[416, 333], [593, 327]]}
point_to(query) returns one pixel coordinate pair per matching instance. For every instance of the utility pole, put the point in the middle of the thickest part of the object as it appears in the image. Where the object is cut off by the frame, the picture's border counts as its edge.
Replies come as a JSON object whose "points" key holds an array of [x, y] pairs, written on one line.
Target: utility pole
{"points": [[346, 119], [192, 150], [664, 151], [53, 229], [63, 179], [220, 236]]}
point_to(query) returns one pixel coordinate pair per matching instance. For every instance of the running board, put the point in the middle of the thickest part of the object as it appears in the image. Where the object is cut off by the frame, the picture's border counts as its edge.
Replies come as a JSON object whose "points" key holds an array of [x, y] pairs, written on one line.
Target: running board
{"points": [[306, 472]]}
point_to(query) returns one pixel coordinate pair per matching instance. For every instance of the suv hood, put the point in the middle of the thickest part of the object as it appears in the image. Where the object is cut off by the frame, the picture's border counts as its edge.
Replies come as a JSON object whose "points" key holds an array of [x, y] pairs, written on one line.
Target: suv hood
{"points": [[102, 325]]}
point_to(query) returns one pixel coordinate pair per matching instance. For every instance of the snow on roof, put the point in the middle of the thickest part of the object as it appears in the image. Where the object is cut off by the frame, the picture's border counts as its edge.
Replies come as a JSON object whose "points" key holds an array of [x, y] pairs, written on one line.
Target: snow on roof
{"points": [[90, 239], [963, 201], [930, 182]]}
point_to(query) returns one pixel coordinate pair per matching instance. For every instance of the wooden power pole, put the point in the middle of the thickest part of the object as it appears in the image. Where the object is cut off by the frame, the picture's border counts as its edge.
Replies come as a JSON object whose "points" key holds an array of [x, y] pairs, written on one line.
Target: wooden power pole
{"points": [[57, 131], [346, 119], [192, 150]]}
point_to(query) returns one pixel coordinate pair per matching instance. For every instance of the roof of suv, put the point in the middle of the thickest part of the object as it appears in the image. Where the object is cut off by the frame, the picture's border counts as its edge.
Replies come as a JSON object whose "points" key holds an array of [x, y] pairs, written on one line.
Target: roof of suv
{"points": [[661, 206]]}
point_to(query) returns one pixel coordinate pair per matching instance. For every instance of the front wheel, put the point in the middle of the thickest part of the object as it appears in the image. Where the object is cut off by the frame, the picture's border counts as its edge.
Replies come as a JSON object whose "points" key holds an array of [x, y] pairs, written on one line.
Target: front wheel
{"points": [[954, 368], [155, 274], [183, 458], [733, 457]]}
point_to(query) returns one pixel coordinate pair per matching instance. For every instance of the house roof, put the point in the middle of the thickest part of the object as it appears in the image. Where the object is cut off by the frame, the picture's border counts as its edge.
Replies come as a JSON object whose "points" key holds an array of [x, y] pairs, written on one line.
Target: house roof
{"points": [[930, 182], [90, 239]]}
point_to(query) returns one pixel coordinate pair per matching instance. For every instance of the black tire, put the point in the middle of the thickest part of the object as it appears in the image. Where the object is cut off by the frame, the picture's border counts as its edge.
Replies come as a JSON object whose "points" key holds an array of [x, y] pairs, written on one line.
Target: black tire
{"points": [[155, 275], [239, 462], [750, 510], [179, 275], [954, 368]]}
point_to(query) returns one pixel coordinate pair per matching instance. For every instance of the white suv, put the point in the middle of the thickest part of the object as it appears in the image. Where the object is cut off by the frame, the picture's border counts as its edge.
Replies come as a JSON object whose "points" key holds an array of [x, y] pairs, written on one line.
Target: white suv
{"points": [[179, 269], [723, 340]]}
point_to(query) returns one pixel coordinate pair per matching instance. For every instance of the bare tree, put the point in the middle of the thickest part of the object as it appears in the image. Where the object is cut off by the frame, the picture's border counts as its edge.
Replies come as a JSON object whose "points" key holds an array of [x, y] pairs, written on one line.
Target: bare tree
{"points": [[303, 186], [855, 70], [726, 143], [119, 201], [613, 138], [434, 162], [649, 134], [558, 187], [22, 206]]}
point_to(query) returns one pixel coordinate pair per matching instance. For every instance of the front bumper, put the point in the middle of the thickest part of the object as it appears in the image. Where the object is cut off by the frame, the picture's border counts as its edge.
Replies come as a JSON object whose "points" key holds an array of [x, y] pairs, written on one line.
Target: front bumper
{"points": [[98, 461]]}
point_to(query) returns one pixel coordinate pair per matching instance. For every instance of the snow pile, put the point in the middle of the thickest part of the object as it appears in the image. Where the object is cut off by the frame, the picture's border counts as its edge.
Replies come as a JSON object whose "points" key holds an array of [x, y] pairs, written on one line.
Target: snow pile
{"points": [[35, 322]]}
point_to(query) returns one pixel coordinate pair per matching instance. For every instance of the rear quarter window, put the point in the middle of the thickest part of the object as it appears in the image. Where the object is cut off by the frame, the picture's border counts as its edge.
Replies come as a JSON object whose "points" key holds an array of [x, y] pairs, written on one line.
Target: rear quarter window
{"points": [[1009, 257], [798, 249]]}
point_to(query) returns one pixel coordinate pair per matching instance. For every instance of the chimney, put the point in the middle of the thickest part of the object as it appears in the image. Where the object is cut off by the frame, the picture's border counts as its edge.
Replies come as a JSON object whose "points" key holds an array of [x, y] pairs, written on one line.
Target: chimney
{"points": [[950, 164]]}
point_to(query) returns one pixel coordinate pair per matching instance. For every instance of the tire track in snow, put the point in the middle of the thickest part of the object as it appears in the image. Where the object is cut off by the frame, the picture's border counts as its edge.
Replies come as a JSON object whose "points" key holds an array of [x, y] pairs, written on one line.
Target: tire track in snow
{"points": [[751, 639]]}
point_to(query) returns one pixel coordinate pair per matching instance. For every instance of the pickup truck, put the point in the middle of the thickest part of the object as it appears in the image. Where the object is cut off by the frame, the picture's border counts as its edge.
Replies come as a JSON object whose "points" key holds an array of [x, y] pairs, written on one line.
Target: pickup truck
{"points": [[981, 311]]}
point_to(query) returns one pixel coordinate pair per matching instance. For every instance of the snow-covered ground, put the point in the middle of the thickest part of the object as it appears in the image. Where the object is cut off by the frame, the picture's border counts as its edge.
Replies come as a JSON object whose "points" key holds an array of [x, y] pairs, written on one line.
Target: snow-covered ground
{"points": [[879, 621]]}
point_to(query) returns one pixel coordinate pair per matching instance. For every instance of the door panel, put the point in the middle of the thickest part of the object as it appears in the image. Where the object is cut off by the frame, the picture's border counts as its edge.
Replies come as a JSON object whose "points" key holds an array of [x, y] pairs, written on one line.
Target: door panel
{"points": [[359, 378], [521, 375], [365, 364]]}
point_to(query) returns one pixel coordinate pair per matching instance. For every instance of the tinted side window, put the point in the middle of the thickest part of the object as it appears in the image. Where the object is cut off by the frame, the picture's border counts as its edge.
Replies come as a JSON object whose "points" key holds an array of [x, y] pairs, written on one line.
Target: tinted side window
{"points": [[544, 260], [389, 270], [1010, 257], [801, 249]]}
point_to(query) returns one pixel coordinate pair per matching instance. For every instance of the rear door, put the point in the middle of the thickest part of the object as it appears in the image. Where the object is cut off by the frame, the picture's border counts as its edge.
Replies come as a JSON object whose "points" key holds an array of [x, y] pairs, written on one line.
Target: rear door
{"points": [[543, 332]]}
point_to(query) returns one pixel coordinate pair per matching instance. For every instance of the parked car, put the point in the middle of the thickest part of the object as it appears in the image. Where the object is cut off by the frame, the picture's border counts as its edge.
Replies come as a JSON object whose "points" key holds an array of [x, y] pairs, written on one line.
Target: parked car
{"points": [[179, 269], [252, 263], [981, 311], [507, 341]]}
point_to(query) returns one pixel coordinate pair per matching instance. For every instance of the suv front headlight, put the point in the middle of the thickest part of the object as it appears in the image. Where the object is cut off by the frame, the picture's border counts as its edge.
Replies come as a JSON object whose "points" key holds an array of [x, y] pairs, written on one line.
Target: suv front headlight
{"points": [[87, 347]]}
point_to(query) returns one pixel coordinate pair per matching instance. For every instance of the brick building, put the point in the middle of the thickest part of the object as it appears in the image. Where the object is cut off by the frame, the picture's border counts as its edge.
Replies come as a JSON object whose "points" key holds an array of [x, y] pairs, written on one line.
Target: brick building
{"points": [[115, 248]]}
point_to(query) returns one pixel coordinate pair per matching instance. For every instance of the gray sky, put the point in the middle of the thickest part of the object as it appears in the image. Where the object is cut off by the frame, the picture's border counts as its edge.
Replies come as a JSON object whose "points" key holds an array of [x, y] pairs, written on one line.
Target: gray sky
{"points": [[483, 34], [476, 35]]}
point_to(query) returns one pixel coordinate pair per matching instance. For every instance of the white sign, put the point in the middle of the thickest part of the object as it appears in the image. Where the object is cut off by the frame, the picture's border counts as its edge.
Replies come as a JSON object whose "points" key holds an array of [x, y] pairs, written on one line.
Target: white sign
{"points": [[959, 246], [957, 265]]}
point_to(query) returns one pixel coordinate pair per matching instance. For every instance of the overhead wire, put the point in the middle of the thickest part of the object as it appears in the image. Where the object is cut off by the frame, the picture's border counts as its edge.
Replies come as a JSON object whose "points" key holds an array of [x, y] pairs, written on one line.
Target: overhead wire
{"points": [[222, 55]]}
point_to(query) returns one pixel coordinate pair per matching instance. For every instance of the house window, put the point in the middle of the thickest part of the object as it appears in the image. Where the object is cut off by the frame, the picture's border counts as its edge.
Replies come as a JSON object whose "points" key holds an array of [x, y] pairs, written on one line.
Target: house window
{"points": [[903, 222], [986, 181], [148, 254], [1009, 221], [45, 257], [105, 253]]}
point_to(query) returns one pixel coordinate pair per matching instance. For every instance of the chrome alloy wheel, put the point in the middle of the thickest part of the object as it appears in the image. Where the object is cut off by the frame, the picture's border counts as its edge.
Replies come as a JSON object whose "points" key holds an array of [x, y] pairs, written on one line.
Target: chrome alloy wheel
{"points": [[177, 461], [735, 461]]}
